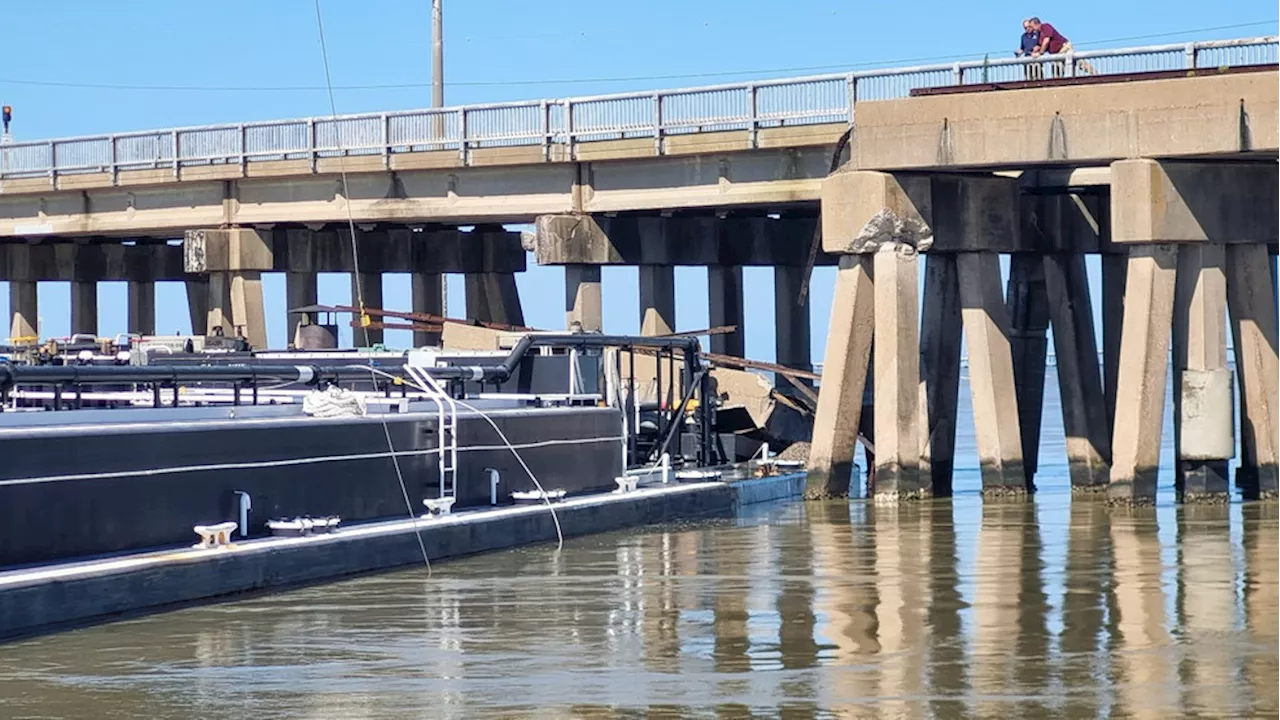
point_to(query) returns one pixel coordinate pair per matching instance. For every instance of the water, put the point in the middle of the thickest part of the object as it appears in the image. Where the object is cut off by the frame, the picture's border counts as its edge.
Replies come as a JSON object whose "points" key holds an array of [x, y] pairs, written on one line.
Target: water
{"points": [[1051, 608]]}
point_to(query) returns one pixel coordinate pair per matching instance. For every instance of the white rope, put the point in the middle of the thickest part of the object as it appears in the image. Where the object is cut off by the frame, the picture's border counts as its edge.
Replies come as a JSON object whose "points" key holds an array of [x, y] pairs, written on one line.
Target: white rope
{"points": [[334, 402]]}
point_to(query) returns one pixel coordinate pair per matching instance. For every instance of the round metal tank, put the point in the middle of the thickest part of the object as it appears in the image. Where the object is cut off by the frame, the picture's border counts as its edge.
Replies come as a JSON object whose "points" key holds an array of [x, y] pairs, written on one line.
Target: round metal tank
{"points": [[317, 337]]}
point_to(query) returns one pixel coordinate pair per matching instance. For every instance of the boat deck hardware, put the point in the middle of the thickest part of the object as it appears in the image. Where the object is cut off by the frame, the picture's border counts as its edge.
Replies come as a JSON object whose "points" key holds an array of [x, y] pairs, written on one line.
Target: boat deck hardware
{"points": [[214, 536]]}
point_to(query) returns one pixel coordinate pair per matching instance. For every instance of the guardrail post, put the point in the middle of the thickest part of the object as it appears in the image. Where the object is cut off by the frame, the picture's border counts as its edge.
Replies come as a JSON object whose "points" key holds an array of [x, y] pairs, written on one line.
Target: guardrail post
{"points": [[386, 141], [53, 165], [243, 149], [851, 89], [657, 123], [462, 136], [173, 148], [1071, 64], [545, 112], [753, 123], [568, 129], [957, 74], [115, 172], [1190, 55], [311, 142]]}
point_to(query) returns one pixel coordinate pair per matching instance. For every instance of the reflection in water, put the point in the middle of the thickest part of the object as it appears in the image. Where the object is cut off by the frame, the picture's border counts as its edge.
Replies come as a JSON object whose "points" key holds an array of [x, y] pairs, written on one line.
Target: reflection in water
{"points": [[947, 609]]}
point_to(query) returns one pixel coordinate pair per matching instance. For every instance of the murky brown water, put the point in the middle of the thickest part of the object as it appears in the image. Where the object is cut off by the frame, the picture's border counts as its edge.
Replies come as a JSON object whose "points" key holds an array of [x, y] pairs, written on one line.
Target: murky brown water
{"points": [[1049, 609]]}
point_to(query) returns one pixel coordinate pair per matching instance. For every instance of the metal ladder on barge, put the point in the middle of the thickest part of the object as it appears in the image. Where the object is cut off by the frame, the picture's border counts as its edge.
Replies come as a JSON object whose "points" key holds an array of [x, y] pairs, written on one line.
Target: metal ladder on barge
{"points": [[446, 428]]}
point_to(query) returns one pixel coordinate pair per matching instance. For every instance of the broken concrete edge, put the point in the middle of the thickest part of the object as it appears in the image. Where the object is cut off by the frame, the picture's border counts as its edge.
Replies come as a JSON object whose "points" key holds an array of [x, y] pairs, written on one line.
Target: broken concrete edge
{"points": [[887, 228]]}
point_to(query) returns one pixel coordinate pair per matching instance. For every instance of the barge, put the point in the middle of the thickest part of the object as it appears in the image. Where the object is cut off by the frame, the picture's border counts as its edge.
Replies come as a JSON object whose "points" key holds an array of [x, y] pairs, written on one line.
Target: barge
{"points": [[300, 466]]}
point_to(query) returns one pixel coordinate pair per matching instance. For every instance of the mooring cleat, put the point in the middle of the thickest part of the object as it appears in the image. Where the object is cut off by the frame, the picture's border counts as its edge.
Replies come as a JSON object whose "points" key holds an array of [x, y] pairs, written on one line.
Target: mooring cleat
{"points": [[214, 536]]}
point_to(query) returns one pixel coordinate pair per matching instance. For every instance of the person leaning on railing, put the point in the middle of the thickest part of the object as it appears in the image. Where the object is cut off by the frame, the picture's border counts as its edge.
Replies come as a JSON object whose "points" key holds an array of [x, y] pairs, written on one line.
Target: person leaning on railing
{"points": [[1053, 42], [1030, 47]]}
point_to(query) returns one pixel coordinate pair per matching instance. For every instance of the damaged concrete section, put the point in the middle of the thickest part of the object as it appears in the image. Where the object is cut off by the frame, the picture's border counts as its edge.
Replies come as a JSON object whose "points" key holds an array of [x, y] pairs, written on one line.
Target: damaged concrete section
{"points": [[862, 210]]}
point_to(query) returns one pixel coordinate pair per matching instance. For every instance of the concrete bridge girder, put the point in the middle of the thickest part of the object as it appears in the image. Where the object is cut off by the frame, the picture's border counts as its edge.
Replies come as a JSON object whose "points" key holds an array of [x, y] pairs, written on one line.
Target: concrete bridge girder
{"points": [[724, 177], [1084, 124]]}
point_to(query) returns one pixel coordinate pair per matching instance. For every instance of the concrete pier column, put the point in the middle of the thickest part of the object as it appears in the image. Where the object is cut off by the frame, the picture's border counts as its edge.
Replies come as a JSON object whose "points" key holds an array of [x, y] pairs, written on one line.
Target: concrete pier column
{"points": [[370, 284], [477, 298], [791, 320], [1203, 414], [427, 293], [218, 312], [1084, 412], [198, 303], [940, 334], [657, 299], [503, 298], [84, 307], [301, 289], [1143, 372], [724, 290], [1251, 299], [24, 306], [247, 307], [1028, 304], [142, 307], [1115, 268], [995, 408], [844, 377], [897, 375], [583, 303]]}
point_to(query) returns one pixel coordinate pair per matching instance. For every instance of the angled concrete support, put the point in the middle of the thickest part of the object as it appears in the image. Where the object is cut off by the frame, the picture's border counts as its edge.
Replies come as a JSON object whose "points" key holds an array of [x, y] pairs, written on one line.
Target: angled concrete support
{"points": [[24, 306], [995, 408], [583, 303], [142, 307], [940, 334], [1028, 305], [791, 321], [198, 303], [503, 298], [657, 299], [844, 377], [1251, 299], [724, 290], [427, 296], [1143, 372], [1203, 416], [897, 375], [218, 312], [477, 297], [301, 289], [1115, 269], [84, 307], [1084, 413], [366, 292], [247, 307]]}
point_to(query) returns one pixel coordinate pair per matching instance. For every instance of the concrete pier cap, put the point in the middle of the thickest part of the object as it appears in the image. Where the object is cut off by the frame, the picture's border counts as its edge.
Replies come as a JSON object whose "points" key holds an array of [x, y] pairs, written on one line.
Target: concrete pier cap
{"points": [[937, 212], [1166, 201]]}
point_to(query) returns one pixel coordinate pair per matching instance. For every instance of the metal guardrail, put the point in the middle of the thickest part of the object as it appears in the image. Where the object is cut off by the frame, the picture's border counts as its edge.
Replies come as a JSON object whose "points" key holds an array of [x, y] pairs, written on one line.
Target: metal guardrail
{"points": [[563, 124]]}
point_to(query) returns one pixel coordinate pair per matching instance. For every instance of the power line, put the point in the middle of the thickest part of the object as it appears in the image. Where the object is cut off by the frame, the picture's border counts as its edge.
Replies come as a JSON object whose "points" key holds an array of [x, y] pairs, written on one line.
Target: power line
{"points": [[584, 81]]}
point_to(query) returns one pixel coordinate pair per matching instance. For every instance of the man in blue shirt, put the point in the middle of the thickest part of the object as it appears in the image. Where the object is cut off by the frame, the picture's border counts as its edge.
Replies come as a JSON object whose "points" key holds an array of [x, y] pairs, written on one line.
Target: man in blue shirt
{"points": [[1030, 47]]}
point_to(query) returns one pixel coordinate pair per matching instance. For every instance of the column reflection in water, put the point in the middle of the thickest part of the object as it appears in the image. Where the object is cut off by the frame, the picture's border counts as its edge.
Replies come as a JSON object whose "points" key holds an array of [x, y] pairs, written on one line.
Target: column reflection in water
{"points": [[902, 542], [1010, 641], [1261, 604], [1142, 671], [844, 601], [1208, 611], [1084, 608], [948, 666], [660, 615]]}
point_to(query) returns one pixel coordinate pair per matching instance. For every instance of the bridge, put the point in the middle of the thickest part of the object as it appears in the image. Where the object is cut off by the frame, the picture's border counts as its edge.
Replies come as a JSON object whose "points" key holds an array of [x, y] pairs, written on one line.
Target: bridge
{"points": [[1161, 158]]}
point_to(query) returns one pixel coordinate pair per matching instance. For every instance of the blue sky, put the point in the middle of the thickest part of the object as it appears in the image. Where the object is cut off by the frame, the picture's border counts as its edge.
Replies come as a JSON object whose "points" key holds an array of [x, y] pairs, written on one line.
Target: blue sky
{"points": [[238, 60]]}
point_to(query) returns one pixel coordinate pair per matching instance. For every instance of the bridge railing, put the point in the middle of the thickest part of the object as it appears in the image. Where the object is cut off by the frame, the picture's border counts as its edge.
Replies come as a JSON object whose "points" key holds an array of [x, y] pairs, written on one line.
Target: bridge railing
{"points": [[750, 106]]}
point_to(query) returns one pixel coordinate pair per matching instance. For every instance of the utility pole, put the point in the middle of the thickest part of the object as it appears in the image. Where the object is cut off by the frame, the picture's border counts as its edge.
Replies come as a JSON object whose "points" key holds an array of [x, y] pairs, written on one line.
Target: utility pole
{"points": [[437, 101]]}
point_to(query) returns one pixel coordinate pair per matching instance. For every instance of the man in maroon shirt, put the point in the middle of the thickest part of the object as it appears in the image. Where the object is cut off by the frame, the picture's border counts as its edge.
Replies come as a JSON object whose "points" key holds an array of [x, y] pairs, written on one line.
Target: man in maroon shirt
{"points": [[1055, 43]]}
